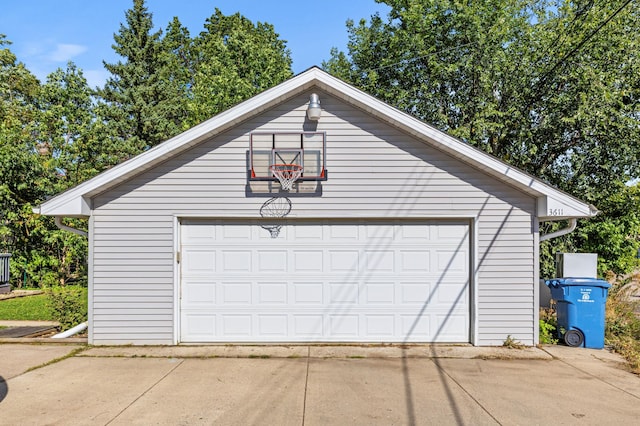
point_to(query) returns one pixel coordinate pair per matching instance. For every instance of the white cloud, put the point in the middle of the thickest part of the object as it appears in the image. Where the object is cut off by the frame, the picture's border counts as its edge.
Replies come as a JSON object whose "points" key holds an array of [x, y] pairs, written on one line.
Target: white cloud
{"points": [[64, 52]]}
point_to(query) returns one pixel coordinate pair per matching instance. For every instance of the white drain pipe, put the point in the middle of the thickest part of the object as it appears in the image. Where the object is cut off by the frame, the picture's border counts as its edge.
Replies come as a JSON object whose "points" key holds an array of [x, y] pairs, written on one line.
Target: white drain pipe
{"points": [[62, 226], [72, 331], [560, 232]]}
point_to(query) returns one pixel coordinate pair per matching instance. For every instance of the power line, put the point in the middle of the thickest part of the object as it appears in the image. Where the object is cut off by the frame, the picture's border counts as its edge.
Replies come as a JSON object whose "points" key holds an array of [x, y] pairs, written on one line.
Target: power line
{"points": [[582, 43], [562, 35], [410, 60]]}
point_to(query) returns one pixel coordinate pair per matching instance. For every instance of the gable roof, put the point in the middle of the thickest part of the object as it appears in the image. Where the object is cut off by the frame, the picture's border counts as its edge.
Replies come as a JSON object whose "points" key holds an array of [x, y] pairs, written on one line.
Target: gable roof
{"points": [[553, 204]]}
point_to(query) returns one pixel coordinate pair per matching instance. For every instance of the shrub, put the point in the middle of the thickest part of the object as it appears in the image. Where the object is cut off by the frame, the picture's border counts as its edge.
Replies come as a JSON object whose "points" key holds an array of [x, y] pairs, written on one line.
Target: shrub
{"points": [[622, 325], [548, 325], [512, 343], [68, 305]]}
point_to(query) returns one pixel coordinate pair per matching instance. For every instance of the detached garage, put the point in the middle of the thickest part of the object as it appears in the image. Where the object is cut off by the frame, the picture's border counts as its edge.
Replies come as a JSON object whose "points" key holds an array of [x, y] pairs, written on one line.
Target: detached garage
{"points": [[313, 213]]}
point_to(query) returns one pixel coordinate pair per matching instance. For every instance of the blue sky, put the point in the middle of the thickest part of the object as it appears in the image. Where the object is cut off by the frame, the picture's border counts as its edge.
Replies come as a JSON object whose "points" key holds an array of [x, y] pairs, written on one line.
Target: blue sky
{"points": [[47, 33]]}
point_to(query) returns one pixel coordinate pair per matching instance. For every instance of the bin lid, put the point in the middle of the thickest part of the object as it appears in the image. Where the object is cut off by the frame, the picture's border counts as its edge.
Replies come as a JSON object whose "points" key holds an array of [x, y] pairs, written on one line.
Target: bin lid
{"points": [[593, 282]]}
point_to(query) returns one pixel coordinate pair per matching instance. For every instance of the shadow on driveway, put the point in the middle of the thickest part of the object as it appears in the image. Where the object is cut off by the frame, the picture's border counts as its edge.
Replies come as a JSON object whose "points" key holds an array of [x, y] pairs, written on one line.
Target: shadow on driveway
{"points": [[4, 388]]}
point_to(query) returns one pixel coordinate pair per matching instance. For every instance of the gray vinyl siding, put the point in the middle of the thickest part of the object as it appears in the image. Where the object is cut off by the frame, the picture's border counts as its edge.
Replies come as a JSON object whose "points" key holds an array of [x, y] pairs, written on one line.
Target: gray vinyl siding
{"points": [[374, 171]]}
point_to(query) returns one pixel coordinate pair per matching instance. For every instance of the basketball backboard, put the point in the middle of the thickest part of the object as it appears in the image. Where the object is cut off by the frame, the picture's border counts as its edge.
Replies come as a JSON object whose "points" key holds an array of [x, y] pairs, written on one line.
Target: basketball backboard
{"points": [[304, 149]]}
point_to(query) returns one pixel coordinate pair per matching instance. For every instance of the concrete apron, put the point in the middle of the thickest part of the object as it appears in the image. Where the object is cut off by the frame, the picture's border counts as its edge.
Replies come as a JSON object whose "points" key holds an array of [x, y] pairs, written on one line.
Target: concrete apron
{"points": [[315, 385]]}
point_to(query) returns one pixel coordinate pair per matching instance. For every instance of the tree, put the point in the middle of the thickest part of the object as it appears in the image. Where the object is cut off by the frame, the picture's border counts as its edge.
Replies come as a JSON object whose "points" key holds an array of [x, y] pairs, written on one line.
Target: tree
{"points": [[234, 60], [67, 140], [551, 87], [19, 168], [177, 75], [20, 171], [137, 108]]}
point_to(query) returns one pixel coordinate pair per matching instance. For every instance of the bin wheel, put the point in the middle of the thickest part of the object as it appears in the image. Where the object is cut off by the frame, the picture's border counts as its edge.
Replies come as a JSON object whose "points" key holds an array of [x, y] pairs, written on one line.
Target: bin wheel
{"points": [[574, 338]]}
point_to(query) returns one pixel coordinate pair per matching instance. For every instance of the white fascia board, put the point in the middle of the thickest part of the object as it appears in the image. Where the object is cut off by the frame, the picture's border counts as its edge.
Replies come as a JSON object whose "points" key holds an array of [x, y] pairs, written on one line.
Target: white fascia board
{"points": [[553, 204], [558, 208], [67, 207]]}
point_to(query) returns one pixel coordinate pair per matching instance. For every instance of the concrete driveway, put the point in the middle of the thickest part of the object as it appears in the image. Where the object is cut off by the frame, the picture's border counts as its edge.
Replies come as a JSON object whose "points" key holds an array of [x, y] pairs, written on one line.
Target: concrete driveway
{"points": [[313, 385]]}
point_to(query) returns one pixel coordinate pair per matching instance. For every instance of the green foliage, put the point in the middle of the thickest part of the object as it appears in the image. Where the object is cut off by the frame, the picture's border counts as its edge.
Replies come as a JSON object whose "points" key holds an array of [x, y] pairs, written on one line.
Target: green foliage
{"points": [[552, 87], [68, 305], [548, 324], [615, 233], [68, 141], [622, 325], [234, 59], [28, 308], [168, 84], [139, 107]]}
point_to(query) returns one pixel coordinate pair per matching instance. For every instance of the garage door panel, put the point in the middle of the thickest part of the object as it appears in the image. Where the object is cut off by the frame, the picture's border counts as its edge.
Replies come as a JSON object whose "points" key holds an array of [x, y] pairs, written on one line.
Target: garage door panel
{"points": [[235, 232], [343, 327], [271, 261], [306, 261], [416, 326], [348, 233], [305, 234], [235, 261], [199, 326], [451, 261], [380, 260], [344, 261], [414, 292], [343, 293], [237, 325], [419, 232], [449, 326], [380, 325], [308, 326], [236, 293], [199, 293], [450, 232], [270, 293], [273, 325], [198, 262], [450, 293], [308, 293], [325, 281], [379, 293], [415, 261], [205, 234]]}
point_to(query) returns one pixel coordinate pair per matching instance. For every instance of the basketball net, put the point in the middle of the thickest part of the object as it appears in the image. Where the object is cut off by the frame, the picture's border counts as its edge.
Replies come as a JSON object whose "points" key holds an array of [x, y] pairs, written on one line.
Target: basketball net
{"points": [[287, 174]]}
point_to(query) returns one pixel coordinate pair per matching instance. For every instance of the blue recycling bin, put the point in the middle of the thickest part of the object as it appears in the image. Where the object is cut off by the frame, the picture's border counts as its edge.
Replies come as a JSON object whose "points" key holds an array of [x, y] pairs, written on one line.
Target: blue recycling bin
{"points": [[580, 310]]}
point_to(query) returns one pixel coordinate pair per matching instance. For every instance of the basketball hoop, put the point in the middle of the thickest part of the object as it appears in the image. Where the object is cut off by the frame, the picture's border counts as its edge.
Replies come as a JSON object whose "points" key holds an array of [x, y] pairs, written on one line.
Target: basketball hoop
{"points": [[287, 174]]}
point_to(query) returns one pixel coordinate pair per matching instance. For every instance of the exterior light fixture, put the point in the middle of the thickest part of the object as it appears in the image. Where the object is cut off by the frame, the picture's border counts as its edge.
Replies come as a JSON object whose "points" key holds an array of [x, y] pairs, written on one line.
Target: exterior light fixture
{"points": [[314, 110]]}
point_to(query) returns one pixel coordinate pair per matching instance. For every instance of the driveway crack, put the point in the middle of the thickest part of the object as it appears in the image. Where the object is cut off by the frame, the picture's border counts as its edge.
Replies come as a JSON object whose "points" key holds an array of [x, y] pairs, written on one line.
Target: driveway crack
{"points": [[592, 375], [306, 382], [444, 371], [145, 392]]}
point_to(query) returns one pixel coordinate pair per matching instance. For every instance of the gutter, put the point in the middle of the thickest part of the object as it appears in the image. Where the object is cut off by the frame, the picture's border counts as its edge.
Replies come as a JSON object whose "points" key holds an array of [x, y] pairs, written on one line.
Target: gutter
{"points": [[573, 222], [62, 226]]}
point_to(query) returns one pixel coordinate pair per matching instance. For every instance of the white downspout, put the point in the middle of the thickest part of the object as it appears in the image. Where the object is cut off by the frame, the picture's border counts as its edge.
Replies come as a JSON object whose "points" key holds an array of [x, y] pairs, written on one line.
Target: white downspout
{"points": [[60, 225], [573, 222], [83, 326], [72, 331]]}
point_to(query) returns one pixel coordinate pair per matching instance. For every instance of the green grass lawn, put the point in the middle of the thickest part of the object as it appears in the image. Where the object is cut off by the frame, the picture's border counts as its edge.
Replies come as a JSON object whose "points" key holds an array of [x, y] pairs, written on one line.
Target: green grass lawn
{"points": [[31, 308]]}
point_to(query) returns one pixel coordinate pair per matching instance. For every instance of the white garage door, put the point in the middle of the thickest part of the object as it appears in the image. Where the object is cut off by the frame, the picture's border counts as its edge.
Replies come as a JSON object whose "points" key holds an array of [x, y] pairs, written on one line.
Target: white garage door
{"points": [[325, 281]]}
